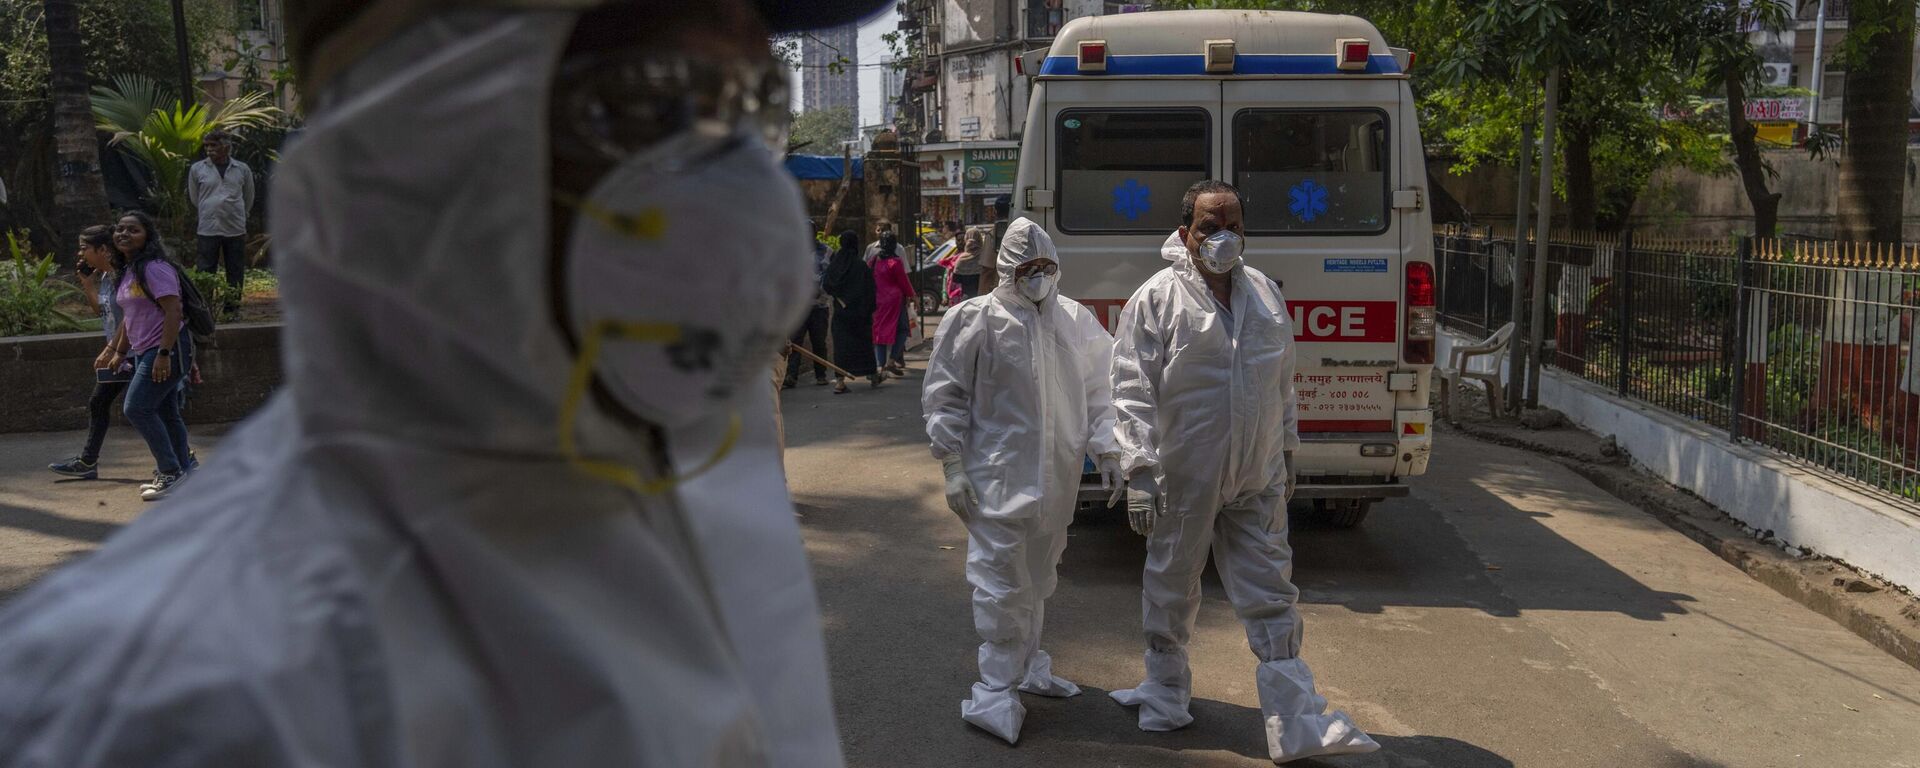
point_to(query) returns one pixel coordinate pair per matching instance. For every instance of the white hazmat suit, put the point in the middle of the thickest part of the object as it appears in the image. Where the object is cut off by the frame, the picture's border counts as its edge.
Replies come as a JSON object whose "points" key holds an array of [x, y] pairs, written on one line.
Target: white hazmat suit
{"points": [[1205, 403], [394, 563], [1016, 397]]}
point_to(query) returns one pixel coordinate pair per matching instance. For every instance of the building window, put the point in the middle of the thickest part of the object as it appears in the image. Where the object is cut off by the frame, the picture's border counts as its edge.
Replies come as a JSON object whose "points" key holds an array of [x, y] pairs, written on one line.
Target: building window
{"points": [[248, 14], [1312, 171], [1125, 170]]}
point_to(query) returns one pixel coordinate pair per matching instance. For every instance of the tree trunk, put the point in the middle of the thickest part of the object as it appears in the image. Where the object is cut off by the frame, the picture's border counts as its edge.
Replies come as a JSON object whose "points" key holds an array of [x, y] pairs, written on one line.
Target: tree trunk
{"points": [[1577, 152], [1746, 157], [79, 193], [1873, 166]]}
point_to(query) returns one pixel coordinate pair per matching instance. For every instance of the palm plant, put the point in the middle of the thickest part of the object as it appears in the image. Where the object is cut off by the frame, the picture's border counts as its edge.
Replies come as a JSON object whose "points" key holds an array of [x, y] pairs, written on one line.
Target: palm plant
{"points": [[148, 123]]}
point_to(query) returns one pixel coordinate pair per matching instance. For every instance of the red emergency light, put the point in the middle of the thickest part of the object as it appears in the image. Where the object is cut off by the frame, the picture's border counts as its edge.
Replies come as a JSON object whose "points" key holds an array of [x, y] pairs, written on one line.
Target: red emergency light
{"points": [[1418, 345], [1093, 56], [1354, 52]]}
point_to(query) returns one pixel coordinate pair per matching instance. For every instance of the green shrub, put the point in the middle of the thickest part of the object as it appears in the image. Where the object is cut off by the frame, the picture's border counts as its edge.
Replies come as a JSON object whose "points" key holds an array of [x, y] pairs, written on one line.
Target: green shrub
{"points": [[31, 293], [213, 287]]}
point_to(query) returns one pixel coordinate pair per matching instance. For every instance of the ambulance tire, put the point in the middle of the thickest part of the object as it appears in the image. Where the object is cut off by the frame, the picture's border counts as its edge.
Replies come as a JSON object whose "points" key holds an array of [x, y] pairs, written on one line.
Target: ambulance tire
{"points": [[1341, 513]]}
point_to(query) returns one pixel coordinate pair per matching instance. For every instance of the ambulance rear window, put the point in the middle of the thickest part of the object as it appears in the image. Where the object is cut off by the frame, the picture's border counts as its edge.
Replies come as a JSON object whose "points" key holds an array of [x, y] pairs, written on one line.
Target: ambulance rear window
{"points": [[1124, 170], [1312, 171]]}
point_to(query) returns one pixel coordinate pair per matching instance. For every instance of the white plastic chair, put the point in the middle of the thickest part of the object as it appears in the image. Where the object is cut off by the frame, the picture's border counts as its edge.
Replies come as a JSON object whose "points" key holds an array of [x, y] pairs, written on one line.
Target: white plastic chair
{"points": [[1475, 362]]}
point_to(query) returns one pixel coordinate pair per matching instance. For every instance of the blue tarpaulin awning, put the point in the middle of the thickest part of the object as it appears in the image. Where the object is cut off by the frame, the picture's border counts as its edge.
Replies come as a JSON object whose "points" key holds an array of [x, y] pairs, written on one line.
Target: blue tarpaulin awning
{"points": [[820, 167]]}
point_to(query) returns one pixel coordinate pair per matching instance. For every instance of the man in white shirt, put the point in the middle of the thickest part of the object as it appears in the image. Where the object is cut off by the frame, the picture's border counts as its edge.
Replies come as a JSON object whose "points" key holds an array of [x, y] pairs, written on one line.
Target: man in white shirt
{"points": [[221, 190]]}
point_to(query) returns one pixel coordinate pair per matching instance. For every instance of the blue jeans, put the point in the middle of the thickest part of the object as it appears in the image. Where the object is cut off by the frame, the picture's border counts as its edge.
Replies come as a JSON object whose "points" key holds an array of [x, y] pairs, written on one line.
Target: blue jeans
{"points": [[153, 407], [882, 351]]}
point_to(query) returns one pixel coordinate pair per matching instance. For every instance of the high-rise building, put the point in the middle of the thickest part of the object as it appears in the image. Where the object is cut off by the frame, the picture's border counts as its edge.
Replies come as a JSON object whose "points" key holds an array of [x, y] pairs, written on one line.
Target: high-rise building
{"points": [[893, 80], [821, 86]]}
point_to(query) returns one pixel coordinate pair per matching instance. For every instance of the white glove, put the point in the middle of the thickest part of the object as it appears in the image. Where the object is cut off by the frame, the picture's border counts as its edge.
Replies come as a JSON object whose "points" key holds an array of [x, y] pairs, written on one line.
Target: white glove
{"points": [[1144, 503], [1112, 478], [961, 497]]}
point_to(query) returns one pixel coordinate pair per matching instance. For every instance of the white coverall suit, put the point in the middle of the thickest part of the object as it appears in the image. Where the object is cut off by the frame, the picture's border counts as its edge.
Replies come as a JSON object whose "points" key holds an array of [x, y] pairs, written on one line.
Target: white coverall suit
{"points": [[1205, 400], [1019, 392], [391, 564]]}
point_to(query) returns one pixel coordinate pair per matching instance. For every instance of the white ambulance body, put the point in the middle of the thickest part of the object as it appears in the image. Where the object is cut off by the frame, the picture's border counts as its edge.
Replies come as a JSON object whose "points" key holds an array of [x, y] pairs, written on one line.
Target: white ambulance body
{"points": [[1311, 117]]}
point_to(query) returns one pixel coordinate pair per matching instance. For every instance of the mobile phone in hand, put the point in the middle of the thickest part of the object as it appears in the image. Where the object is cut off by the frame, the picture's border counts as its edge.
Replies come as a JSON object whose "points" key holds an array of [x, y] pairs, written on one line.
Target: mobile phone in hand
{"points": [[112, 376]]}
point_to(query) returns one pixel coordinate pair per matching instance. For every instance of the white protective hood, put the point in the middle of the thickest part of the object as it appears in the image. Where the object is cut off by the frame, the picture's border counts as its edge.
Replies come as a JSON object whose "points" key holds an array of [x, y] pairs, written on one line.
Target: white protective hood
{"points": [[392, 564], [1020, 392]]}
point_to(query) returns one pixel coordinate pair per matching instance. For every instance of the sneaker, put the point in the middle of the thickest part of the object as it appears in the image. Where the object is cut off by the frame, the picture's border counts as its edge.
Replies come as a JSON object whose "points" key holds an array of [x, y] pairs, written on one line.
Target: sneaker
{"points": [[161, 486], [193, 462], [77, 467]]}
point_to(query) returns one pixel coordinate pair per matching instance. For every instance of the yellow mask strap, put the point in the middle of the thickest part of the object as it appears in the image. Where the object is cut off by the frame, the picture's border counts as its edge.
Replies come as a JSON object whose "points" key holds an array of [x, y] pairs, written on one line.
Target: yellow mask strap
{"points": [[581, 380]]}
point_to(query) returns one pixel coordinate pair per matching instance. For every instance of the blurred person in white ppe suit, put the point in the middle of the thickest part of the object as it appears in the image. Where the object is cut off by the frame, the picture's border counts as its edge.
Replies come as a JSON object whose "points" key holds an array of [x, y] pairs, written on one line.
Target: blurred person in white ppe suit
{"points": [[1203, 368], [518, 502], [1016, 398]]}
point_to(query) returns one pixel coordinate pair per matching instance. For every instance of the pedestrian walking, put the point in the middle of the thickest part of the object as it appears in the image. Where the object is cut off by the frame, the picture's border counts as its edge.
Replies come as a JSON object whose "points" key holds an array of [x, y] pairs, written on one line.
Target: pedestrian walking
{"points": [[1016, 396], [813, 330], [95, 269], [850, 282], [1206, 420], [220, 188], [893, 290], [152, 335], [967, 268]]}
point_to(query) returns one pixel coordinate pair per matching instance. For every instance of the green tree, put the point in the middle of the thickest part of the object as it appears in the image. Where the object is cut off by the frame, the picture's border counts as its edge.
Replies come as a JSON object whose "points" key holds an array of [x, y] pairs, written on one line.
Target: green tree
{"points": [[1878, 56], [117, 37], [1730, 60], [821, 131], [79, 194]]}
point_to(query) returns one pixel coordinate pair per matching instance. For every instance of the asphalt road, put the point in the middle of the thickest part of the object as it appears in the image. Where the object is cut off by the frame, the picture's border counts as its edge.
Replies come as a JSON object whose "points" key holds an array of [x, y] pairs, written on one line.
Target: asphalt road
{"points": [[1508, 613]]}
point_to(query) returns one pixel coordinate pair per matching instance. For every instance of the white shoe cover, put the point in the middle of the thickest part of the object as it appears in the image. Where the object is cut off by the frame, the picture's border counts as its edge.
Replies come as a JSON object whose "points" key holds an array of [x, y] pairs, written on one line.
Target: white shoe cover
{"points": [[1292, 738], [1041, 680], [1297, 725], [1161, 709], [997, 712]]}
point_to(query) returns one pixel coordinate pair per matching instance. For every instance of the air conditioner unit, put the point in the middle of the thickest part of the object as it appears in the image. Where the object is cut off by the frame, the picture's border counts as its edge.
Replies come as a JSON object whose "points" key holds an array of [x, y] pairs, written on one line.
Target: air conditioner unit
{"points": [[1777, 73]]}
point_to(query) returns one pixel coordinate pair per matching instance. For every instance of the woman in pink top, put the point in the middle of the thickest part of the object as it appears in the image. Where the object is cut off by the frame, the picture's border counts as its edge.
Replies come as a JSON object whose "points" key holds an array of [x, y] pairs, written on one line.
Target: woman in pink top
{"points": [[153, 336], [891, 292]]}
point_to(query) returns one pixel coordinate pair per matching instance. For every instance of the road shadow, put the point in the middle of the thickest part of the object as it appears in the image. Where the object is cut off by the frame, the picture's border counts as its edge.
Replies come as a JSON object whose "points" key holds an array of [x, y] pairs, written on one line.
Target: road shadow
{"points": [[49, 524]]}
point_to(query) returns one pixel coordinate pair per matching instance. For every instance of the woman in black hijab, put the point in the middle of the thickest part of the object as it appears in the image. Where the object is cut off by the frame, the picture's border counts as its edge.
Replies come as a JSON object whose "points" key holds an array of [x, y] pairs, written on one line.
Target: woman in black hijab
{"points": [[850, 282]]}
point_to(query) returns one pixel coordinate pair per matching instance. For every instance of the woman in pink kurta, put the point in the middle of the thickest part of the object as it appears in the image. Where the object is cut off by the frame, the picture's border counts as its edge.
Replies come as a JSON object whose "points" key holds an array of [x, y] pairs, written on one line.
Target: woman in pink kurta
{"points": [[891, 292]]}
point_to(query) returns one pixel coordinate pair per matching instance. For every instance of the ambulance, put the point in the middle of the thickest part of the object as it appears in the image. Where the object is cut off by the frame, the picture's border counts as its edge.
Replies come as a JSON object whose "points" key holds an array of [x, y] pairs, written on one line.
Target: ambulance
{"points": [[1311, 117]]}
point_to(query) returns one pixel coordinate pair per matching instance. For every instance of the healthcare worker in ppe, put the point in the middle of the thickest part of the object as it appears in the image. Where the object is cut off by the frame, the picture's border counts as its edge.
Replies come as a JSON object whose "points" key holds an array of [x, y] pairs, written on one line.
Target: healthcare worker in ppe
{"points": [[1203, 368], [1016, 398], [518, 502]]}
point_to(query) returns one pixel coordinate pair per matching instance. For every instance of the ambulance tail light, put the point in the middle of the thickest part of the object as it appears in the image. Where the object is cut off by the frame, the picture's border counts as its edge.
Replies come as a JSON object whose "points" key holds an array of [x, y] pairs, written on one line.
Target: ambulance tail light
{"points": [[1418, 344], [1353, 52], [1093, 56]]}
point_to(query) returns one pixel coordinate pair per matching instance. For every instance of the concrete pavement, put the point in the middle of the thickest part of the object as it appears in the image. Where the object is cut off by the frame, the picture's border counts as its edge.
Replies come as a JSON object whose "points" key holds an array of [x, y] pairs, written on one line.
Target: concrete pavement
{"points": [[1508, 613], [46, 519]]}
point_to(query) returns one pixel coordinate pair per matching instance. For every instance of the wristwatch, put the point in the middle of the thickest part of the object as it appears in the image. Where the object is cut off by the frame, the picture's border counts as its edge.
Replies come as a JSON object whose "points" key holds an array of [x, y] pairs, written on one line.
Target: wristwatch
{"points": [[164, 352]]}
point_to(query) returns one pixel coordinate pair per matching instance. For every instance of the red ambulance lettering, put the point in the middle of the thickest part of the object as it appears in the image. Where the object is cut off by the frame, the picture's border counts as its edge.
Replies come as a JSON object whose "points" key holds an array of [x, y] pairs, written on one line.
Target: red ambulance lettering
{"points": [[1362, 321]]}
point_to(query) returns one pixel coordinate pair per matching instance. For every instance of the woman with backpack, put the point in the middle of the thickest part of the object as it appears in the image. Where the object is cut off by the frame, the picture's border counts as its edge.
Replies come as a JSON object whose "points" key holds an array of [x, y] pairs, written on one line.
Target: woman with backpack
{"points": [[149, 289]]}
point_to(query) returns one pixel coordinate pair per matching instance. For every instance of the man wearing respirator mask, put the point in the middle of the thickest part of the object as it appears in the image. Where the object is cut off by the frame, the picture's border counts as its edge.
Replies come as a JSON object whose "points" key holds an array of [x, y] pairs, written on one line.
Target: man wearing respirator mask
{"points": [[1203, 367], [1016, 397], [519, 501]]}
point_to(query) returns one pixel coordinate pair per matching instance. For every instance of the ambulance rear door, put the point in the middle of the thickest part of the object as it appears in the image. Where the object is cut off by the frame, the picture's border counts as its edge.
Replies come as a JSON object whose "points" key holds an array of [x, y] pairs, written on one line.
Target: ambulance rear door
{"points": [[1316, 160], [1120, 154]]}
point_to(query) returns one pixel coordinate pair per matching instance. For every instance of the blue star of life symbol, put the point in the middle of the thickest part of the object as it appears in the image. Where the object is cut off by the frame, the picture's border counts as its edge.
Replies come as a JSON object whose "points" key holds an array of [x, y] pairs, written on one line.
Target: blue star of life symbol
{"points": [[1130, 199], [1307, 200]]}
